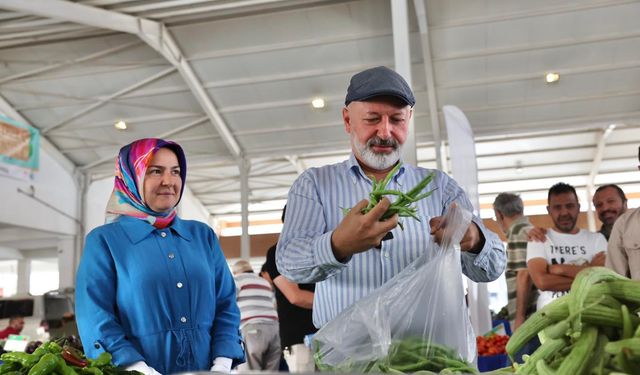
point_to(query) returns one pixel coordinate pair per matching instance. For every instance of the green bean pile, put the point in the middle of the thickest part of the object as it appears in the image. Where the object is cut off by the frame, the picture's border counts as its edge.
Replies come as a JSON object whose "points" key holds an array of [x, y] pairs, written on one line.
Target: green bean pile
{"points": [[595, 329], [402, 205], [411, 355]]}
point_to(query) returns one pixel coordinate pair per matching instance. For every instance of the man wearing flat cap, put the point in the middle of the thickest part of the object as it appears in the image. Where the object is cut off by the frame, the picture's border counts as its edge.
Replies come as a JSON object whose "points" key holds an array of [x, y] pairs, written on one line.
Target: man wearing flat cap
{"points": [[346, 254]]}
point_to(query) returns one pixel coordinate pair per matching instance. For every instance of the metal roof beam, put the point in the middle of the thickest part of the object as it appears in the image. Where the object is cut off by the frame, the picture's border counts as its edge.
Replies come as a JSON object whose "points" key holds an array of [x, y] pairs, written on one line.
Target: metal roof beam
{"points": [[153, 33], [82, 59], [251, 201], [163, 135], [106, 100], [137, 120], [78, 13], [544, 11], [297, 163], [489, 81]]}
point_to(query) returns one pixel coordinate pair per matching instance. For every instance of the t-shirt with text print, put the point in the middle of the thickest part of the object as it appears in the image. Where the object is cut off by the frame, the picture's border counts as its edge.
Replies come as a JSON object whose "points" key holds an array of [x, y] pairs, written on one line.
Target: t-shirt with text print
{"points": [[563, 248]]}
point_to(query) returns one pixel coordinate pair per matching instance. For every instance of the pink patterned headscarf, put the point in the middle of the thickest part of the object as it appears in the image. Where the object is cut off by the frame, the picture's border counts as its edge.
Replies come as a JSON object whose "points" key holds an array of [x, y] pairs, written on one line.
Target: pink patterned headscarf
{"points": [[128, 191]]}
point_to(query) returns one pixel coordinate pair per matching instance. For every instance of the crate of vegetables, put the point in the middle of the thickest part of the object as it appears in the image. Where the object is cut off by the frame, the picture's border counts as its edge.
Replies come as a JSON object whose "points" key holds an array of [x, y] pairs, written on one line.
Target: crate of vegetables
{"points": [[491, 352]]}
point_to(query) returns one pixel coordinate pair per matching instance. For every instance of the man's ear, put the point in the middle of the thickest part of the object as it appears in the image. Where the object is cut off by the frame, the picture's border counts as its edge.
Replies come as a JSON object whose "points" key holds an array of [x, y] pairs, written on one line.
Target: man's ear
{"points": [[346, 119], [549, 212]]}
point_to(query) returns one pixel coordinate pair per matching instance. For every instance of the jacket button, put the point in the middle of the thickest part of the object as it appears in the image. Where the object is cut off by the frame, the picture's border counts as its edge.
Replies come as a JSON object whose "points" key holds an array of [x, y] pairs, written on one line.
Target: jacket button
{"points": [[163, 234], [183, 319], [179, 285], [172, 255]]}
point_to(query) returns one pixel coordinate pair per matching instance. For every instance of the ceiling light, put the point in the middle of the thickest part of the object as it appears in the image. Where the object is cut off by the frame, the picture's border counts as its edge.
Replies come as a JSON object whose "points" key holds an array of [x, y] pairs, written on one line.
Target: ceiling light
{"points": [[120, 125], [552, 77], [317, 103]]}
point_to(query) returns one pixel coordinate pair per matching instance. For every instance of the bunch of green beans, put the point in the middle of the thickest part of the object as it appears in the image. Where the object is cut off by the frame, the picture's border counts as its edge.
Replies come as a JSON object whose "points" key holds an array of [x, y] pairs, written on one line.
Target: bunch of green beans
{"points": [[412, 355], [403, 203]]}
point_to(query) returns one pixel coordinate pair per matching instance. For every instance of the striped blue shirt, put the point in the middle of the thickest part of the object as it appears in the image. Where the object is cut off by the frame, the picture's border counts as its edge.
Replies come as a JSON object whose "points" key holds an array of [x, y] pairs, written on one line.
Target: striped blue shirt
{"points": [[304, 252]]}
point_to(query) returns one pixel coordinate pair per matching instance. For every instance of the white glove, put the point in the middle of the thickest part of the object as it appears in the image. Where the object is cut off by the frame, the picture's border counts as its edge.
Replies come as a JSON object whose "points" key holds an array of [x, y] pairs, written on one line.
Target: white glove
{"points": [[222, 364], [142, 367]]}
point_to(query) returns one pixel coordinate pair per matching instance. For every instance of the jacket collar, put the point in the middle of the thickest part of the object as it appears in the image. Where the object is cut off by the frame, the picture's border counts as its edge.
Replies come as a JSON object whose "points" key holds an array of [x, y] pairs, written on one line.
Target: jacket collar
{"points": [[138, 229]]}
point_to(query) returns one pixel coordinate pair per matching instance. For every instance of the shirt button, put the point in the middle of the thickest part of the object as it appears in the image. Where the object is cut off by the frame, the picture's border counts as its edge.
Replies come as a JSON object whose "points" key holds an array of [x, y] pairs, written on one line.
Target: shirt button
{"points": [[172, 255], [183, 319], [179, 285], [386, 255], [163, 234]]}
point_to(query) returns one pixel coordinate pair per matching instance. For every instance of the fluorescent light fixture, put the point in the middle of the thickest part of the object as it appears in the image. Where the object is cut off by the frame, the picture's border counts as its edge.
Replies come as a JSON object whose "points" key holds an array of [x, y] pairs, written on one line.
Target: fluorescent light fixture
{"points": [[120, 125], [317, 103], [552, 77]]}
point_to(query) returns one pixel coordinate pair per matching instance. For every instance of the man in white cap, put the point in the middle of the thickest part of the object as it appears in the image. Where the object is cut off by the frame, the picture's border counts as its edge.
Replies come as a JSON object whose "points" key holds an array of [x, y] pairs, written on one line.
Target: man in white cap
{"points": [[346, 255]]}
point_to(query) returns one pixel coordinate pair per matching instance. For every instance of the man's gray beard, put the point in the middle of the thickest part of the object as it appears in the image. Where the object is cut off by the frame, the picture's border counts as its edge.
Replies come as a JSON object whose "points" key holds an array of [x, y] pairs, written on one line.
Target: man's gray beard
{"points": [[374, 160]]}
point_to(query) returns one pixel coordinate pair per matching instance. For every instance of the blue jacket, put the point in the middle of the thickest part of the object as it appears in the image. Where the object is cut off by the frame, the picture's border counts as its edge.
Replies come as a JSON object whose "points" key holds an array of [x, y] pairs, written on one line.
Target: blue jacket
{"points": [[165, 296]]}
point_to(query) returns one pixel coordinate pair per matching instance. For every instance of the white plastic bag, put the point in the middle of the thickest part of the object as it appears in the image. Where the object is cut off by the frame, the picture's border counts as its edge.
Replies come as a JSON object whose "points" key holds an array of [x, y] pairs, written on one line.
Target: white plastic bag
{"points": [[424, 301]]}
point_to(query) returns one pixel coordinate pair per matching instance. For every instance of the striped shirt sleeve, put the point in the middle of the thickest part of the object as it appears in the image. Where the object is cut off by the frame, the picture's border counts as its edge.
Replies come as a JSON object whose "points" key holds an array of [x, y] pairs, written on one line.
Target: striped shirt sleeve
{"points": [[309, 253]]}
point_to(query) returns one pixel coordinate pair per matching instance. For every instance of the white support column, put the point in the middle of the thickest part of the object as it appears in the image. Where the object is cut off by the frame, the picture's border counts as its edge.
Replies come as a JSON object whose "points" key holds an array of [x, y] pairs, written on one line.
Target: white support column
{"points": [[595, 168], [82, 182], [402, 57], [245, 244], [24, 275], [66, 262], [423, 26]]}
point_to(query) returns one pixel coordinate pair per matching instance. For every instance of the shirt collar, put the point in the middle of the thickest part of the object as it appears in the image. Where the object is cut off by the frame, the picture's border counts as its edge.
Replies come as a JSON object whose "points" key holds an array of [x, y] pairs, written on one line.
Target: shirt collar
{"points": [[356, 170], [138, 229], [179, 228]]}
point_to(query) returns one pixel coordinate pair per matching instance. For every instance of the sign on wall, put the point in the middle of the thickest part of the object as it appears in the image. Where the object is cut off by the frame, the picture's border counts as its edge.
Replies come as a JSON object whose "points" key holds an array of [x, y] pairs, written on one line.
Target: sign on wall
{"points": [[19, 149]]}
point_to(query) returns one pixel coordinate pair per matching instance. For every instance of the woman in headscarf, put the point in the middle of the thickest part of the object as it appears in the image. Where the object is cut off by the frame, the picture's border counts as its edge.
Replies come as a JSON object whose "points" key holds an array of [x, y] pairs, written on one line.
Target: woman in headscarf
{"points": [[154, 290]]}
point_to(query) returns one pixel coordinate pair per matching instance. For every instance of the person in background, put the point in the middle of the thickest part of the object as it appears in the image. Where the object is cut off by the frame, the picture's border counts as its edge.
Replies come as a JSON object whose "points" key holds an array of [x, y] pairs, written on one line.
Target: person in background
{"points": [[294, 303], [553, 264], [345, 255], [522, 294], [16, 324], [623, 252], [609, 202], [264, 273], [152, 289], [258, 319]]}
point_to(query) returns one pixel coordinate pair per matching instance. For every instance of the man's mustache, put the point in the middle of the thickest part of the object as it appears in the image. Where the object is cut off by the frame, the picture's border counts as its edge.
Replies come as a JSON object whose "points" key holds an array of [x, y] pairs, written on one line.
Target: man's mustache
{"points": [[377, 141], [609, 212]]}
